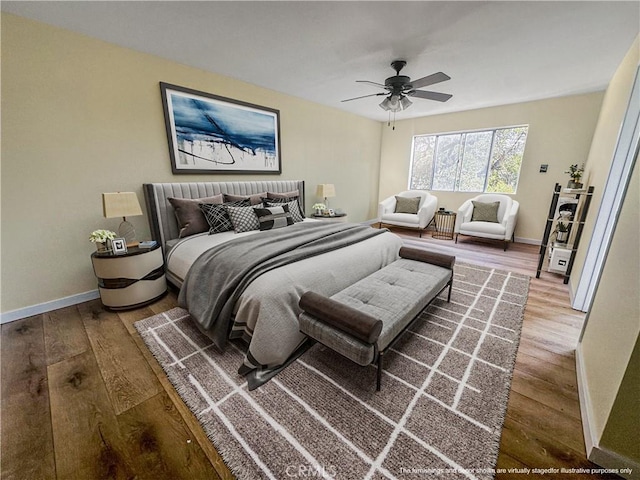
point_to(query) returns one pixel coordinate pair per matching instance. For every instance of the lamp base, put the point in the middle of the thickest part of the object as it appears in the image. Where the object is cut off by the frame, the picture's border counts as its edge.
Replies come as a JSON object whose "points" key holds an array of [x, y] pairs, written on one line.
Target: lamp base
{"points": [[126, 231]]}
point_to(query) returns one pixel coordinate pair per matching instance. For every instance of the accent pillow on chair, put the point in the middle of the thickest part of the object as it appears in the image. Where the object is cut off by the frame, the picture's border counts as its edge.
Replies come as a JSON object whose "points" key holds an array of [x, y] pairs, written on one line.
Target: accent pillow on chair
{"points": [[485, 212], [407, 204]]}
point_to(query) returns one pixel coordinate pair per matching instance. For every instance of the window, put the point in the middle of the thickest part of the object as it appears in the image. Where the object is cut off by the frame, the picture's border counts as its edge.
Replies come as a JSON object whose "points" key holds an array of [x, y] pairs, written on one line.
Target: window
{"points": [[478, 161]]}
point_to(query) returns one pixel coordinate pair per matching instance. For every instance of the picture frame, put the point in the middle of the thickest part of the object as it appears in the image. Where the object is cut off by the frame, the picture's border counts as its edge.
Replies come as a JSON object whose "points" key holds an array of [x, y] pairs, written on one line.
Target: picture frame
{"points": [[119, 246], [332, 212], [210, 134]]}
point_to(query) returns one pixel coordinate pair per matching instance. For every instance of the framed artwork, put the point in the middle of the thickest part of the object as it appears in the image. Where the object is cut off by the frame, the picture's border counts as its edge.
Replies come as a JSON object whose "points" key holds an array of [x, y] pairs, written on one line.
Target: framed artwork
{"points": [[119, 246], [212, 134]]}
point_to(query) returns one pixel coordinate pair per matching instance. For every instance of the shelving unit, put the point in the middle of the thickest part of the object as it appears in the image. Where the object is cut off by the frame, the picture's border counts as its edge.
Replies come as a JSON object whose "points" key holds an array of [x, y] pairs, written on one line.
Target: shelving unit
{"points": [[573, 241]]}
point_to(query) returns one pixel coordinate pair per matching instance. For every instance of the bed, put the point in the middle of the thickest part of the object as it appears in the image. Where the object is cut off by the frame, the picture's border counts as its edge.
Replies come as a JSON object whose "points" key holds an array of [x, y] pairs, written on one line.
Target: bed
{"points": [[235, 286]]}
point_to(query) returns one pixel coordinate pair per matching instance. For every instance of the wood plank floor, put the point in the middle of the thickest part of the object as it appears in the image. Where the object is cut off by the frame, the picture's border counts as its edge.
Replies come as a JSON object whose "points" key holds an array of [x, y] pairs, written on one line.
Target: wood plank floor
{"points": [[82, 397]]}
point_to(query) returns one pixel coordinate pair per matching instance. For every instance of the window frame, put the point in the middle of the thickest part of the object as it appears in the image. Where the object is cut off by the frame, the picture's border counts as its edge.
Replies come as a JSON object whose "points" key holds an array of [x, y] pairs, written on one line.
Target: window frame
{"points": [[460, 161]]}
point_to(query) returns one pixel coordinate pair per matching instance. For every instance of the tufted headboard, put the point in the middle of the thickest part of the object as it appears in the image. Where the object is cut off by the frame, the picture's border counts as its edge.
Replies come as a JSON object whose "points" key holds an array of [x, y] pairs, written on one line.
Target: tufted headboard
{"points": [[162, 218]]}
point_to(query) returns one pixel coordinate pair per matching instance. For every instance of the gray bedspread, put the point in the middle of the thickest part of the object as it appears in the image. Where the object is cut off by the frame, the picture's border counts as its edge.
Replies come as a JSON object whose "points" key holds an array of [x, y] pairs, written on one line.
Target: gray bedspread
{"points": [[220, 275]]}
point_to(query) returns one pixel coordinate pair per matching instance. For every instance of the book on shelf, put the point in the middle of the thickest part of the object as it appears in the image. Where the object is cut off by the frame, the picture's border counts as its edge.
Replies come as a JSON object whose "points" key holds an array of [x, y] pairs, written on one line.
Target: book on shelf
{"points": [[147, 244]]}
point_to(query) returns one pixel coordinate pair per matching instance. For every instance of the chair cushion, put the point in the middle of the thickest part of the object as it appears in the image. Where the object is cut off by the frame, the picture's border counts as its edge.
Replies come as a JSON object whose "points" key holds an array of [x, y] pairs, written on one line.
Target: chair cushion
{"points": [[407, 204], [485, 229], [402, 219], [485, 212]]}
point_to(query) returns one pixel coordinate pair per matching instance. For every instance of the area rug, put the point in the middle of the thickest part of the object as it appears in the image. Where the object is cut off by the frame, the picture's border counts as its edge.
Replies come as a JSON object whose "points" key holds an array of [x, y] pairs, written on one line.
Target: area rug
{"points": [[439, 414]]}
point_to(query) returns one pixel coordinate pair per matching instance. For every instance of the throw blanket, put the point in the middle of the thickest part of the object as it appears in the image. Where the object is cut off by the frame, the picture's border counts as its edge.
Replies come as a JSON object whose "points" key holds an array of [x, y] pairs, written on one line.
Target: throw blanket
{"points": [[219, 276]]}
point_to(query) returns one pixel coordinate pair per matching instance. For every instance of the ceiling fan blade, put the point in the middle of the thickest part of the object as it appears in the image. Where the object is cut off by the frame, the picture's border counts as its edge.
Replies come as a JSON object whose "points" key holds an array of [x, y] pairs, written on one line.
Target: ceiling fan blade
{"points": [[365, 96], [430, 80], [437, 96], [371, 83]]}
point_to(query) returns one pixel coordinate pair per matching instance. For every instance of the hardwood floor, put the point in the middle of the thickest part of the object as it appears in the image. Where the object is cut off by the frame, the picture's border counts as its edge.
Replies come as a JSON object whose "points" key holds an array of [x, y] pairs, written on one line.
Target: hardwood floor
{"points": [[82, 397]]}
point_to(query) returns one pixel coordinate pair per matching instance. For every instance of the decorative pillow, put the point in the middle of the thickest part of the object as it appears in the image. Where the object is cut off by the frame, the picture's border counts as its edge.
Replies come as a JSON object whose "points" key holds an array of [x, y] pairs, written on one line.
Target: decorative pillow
{"points": [[485, 212], [217, 216], [407, 204], [294, 207], [190, 218], [255, 199], [244, 219], [293, 194], [274, 217]]}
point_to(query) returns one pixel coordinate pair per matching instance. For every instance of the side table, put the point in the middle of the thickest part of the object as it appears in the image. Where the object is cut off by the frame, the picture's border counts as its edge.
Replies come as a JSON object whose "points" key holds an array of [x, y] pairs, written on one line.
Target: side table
{"points": [[338, 217], [445, 223], [131, 279]]}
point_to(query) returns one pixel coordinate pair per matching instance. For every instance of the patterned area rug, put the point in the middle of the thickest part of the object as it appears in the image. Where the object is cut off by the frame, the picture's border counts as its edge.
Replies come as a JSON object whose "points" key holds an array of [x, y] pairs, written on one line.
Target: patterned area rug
{"points": [[439, 414]]}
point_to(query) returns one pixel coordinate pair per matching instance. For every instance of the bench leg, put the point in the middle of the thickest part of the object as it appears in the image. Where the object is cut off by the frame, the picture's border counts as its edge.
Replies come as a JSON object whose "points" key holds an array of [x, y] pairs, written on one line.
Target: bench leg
{"points": [[449, 294], [379, 378]]}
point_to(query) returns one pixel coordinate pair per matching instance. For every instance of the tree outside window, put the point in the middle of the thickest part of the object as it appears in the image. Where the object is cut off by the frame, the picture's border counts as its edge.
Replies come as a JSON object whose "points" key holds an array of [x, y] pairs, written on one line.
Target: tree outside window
{"points": [[474, 161]]}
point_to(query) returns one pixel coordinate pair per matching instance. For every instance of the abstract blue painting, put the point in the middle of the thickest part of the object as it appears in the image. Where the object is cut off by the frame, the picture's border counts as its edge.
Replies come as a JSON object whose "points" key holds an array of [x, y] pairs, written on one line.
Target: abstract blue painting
{"points": [[212, 134]]}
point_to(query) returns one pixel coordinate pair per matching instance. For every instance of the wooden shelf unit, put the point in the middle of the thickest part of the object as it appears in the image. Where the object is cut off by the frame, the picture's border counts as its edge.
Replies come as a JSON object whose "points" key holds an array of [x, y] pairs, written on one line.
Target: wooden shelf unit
{"points": [[584, 200]]}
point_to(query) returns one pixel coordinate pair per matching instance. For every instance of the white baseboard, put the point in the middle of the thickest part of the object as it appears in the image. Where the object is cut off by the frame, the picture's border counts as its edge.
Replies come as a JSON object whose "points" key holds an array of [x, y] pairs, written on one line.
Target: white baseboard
{"points": [[528, 241], [602, 457], [25, 312]]}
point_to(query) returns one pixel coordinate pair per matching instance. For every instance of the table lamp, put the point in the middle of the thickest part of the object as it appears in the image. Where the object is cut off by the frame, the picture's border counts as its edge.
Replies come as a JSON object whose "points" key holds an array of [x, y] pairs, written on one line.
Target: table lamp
{"points": [[326, 190], [122, 204]]}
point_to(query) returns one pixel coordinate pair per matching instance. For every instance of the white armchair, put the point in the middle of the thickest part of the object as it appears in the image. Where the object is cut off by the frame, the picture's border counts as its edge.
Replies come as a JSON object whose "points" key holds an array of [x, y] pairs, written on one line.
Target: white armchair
{"points": [[506, 217], [426, 208]]}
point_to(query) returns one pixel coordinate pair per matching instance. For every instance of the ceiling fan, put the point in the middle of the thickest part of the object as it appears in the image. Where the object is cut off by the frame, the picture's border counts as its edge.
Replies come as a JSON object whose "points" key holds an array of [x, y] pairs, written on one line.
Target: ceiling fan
{"points": [[400, 87]]}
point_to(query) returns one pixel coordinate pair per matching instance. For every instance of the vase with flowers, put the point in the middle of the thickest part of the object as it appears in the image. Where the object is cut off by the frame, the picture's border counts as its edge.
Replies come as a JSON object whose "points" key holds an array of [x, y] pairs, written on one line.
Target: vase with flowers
{"points": [[102, 239], [319, 208], [575, 173]]}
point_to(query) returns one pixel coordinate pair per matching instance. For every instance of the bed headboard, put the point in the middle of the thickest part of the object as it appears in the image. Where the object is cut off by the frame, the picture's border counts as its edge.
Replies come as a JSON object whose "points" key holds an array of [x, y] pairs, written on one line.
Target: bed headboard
{"points": [[162, 218]]}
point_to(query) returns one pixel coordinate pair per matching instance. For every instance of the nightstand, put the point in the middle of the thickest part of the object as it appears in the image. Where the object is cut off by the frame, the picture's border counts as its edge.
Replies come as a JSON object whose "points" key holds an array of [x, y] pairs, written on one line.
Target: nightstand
{"points": [[131, 279], [338, 218]]}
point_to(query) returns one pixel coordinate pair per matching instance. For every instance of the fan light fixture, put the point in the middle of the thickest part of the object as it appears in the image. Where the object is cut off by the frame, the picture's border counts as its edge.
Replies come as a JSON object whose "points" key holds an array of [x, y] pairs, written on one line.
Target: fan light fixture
{"points": [[395, 103]]}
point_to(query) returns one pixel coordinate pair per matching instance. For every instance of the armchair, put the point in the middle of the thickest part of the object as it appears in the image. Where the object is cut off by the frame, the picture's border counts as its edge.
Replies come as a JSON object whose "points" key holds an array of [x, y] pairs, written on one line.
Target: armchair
{"points": [[427, 206], [502, 229]]}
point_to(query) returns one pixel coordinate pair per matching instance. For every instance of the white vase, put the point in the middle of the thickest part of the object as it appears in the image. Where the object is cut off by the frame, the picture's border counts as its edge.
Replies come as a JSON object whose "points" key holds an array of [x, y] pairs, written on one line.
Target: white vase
{"points": [[103, 247]]}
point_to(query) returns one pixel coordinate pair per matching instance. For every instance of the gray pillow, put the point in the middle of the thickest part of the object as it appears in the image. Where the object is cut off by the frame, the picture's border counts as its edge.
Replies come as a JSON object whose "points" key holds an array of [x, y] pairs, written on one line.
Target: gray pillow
{"points": [[255, 199], [274, 217], [407, 204], [244, 219], [485, 212], [190, 218], [217, 216]]}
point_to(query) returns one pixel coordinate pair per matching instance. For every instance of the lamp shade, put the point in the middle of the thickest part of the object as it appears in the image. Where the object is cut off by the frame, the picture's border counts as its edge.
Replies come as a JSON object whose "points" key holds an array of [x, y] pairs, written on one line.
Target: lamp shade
{"points": [[326, 190], [120, 204]]}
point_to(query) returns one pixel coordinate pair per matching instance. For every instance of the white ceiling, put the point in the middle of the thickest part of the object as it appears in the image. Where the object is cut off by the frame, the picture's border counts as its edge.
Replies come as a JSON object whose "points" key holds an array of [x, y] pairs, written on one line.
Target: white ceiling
{"points": [[496, 52]]}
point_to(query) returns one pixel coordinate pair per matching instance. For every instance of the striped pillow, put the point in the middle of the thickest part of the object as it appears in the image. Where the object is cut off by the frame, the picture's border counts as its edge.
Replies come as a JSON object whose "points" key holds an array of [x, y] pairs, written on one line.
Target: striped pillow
{"points": [[274, 217]]}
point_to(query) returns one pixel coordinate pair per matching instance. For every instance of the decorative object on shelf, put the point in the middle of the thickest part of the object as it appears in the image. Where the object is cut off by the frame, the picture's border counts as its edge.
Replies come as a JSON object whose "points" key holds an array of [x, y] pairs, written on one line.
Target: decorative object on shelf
{"points": [[319, 208], [102, 239], [562, 232], [212, 134], [122, 204], [575, 173], [326, 190]]}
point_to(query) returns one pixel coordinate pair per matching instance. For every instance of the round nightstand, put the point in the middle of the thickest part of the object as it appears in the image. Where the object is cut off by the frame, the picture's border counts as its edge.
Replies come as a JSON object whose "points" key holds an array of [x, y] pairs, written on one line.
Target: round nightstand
{"points": [[338, 217], [131, 279]]}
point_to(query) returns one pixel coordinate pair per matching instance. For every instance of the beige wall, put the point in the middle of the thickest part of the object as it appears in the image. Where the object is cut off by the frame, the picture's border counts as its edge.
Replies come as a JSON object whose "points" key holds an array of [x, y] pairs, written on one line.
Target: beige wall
{"points": [[610, 377], [560, 132], [81, 117]]}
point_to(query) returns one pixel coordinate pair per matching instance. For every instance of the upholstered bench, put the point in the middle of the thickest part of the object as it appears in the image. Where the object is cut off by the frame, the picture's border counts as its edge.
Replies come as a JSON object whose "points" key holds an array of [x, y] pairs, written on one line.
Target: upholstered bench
{"points": [[363, 321]]}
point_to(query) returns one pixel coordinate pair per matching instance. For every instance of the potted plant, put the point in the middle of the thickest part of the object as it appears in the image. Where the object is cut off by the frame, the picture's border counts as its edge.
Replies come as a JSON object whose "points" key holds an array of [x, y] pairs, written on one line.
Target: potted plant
{"points": [[562, 232], [575, 173], [102, 239]]}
